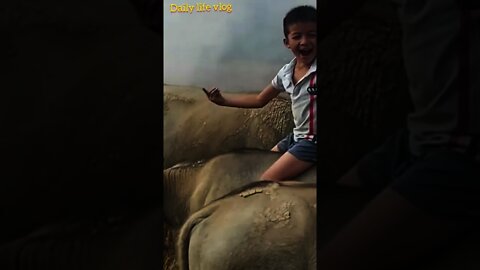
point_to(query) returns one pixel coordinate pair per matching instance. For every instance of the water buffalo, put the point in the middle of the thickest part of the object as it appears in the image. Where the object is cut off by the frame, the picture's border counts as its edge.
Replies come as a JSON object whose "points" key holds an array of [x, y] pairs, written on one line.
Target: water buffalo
{"points": [[190, 186], [267, 226], [195, 128]]}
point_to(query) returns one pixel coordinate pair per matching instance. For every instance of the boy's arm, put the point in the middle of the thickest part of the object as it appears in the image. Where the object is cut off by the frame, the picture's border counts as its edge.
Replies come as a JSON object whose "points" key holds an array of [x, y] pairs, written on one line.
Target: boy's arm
{"points": [[244, 101]]}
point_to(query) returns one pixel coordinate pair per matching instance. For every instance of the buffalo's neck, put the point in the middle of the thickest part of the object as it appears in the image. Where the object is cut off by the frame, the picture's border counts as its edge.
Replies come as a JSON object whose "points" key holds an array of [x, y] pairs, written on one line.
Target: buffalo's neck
{"points": [[178, 186]]}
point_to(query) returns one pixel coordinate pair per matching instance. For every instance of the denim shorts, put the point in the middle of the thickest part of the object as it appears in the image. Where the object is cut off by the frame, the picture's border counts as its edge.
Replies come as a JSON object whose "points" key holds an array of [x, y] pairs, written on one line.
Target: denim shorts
{"points": [[303, 149]]}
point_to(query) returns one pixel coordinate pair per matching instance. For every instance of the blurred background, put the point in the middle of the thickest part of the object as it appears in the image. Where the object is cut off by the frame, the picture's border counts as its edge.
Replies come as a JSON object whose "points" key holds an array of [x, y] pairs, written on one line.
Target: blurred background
{"points": [[80, 107]]}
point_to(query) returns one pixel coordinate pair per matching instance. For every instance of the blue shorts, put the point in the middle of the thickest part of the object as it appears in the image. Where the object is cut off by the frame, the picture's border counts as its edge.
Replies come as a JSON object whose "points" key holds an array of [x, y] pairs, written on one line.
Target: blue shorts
{"points": [[304, 150]]}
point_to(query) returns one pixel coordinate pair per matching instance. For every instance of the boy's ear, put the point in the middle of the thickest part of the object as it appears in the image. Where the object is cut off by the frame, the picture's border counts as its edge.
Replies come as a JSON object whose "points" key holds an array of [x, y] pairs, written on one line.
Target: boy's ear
{"points": [[285, 42]]}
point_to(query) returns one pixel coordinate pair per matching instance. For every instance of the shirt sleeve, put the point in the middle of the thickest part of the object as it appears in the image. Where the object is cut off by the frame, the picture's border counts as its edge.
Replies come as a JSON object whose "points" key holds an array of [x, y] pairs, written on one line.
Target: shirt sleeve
{"points": [[277, 81]]}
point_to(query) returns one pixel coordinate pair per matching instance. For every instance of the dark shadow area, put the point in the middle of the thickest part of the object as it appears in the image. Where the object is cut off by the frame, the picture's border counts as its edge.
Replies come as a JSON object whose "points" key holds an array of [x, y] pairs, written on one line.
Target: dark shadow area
{"points": [[80, 114], [420, 207], [363, 94]]}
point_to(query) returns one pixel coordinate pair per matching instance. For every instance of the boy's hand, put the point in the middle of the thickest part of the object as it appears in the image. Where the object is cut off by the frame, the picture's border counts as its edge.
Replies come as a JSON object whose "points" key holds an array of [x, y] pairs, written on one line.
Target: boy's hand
{"points": [[214, 96]]}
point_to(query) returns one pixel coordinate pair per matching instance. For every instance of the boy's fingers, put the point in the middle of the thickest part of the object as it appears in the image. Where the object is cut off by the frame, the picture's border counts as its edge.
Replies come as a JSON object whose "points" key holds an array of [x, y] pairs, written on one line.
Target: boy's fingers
{"points": [[214, 91], [212, 94], [205, 91]]}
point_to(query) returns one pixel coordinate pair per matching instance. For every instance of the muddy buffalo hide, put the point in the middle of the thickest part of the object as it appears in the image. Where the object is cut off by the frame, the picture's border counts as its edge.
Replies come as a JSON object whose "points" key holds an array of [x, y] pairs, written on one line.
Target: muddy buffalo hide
{"points": [[80, 111]]}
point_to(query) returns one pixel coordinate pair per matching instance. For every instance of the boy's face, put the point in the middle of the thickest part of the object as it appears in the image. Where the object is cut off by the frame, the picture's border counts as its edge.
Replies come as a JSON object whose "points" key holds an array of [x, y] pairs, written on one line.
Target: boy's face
{"points": [[302, 41]]}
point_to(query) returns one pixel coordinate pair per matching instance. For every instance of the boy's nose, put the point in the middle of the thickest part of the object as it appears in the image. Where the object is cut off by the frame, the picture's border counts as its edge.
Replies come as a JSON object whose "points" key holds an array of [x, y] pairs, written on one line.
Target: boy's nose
{"points": [[303, 41]]}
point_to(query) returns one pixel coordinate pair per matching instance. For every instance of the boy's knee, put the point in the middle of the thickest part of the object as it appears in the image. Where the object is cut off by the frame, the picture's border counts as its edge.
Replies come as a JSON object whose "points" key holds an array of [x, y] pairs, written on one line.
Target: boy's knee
{"points": [[266, 176]]}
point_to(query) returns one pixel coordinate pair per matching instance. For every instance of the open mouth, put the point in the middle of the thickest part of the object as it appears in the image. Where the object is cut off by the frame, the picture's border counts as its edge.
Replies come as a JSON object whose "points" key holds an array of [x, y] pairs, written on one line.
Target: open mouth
{"points": [[305, 52]]}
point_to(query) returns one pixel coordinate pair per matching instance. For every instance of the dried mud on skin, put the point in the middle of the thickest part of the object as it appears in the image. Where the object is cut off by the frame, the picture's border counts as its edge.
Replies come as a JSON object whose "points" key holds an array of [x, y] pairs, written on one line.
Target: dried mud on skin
{"points": [[186, 111], [276, 124]]}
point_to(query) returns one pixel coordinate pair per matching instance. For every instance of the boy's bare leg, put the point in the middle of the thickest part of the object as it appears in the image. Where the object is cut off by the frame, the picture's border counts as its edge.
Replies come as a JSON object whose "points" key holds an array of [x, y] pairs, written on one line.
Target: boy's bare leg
{"points": [[286, 167], [388, 233]]}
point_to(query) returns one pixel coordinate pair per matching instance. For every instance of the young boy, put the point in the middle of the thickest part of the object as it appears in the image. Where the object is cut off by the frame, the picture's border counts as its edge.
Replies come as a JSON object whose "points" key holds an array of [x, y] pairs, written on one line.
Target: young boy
{"points": [[298, 79]]}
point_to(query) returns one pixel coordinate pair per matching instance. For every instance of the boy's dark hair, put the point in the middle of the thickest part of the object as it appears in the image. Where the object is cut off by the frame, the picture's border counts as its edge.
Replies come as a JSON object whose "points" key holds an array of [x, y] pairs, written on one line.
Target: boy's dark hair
{"points": [[299, 14]]}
